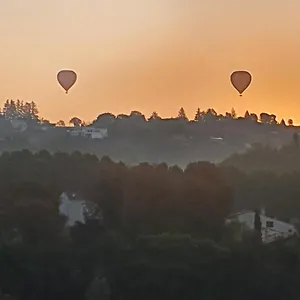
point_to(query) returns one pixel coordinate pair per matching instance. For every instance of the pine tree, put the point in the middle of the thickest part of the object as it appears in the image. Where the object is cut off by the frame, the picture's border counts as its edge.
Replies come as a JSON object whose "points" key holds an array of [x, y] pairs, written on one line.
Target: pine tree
{"points": [[6, 107], [154, 116], [282, 122], [198, 115], [182, 114], [10, 110], [34, 112], [27, 110], [210, 115], [212, 112], [22, 106], [247, 115], [19, 108], [233, 113]]}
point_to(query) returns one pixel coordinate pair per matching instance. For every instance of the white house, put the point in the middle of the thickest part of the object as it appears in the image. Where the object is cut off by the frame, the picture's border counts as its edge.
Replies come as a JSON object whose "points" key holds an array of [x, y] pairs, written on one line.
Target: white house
{"points": [[94, 133], [272, 229], [76, 210], [72, 209]]}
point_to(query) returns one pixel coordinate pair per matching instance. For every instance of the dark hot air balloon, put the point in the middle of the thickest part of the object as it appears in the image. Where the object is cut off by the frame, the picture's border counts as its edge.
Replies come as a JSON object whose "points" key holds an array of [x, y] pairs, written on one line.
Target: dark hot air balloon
{"points": [[66, 79], [241, 80]]}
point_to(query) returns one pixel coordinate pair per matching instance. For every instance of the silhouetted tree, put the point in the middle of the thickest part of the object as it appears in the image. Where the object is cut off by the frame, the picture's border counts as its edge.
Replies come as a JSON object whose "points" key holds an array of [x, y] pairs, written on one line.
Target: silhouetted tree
{"points": [[10, 110], [19, 107], [247, 115], [273, 119], [182, 114], [198, 115], [6, 106], [282, 122], [122, 252], [290, 122], [233, 113], [75, 121], [154, 116], [265, 118], [34, 112], [104, 120], [27, 110], [18, 110], [210, 115], [254, 117], [122, 116], [44, 121], [61, 123], [136, 113], [138, 116]]}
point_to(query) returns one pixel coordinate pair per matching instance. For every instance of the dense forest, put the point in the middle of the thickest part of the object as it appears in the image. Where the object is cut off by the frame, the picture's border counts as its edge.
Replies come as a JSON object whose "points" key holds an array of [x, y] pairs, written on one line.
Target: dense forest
{"points": [[156, 231], [134, 138]]}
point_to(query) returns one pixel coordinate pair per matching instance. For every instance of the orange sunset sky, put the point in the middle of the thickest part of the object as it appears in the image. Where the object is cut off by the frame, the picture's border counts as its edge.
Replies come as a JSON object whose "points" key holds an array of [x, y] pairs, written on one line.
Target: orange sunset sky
{"points": [[151, 55]]}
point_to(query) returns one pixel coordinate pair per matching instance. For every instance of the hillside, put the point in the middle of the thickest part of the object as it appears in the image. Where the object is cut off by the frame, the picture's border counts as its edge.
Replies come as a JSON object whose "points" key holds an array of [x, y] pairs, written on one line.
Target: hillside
{"points": [[133, 138]]}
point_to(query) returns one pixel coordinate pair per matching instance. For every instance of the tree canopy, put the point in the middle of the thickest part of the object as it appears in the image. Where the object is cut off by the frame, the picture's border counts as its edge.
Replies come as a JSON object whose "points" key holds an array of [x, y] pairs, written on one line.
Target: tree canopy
{"points": [[161, 235]]}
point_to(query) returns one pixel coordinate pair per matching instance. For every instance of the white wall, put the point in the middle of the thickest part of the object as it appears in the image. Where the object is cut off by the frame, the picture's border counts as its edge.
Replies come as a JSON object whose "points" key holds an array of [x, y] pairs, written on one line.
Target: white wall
{"points": [[280, 229], [99, 134], [94, 133], [72, 209]]}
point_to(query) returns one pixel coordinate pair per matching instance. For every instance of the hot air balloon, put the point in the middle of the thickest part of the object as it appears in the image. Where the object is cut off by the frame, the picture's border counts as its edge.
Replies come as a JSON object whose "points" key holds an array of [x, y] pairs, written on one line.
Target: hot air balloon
{"points": [[66, 79], [241, 80]]}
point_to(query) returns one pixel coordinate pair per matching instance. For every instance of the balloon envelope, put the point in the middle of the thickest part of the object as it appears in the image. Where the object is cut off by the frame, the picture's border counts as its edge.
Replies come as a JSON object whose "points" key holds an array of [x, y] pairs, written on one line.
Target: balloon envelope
{"points": [[241, 80], [66, 79]]}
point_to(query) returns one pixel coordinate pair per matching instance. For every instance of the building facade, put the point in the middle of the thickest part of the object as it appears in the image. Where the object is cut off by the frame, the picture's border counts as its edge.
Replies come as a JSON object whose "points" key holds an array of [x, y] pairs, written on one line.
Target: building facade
{"points": [[94, 133], [271, 228], [72, 209]]}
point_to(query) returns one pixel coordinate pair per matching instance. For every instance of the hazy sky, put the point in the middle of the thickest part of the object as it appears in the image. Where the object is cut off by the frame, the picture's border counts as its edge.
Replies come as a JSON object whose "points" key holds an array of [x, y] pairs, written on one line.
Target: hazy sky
{"points": [[151, 55]]}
